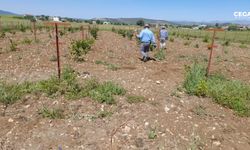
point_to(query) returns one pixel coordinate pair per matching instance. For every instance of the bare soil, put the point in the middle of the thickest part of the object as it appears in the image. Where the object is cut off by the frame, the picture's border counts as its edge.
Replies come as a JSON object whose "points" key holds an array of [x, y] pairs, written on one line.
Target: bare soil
{"points": [[180, 121]]}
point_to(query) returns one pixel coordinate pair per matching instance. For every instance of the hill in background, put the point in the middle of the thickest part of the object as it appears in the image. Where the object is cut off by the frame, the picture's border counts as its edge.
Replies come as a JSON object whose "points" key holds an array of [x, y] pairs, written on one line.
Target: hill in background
{"points": [[133, 20], [2, 12]]}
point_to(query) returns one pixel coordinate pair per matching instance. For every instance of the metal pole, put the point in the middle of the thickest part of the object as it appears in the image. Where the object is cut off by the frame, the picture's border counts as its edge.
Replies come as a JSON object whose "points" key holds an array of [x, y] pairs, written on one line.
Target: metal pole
{"points": [[58, 52], [248, 36], [82, 31], [0, 24], [34, 29], [225, 35], [158, 39], [211, 54], [12, 25], [235, 35]]}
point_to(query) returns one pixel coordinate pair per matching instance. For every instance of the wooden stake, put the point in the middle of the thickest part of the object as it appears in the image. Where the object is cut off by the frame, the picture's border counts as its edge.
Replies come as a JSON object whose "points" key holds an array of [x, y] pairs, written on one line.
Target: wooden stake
{"points": [[0, 24], [58, 52], [34, 29], [211, 49]]}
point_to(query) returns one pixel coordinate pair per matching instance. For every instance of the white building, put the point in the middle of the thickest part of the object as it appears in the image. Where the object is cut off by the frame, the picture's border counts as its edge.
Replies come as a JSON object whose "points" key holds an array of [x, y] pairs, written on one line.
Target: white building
{"points": [[57, 19], [203, 26], [106, 22]]}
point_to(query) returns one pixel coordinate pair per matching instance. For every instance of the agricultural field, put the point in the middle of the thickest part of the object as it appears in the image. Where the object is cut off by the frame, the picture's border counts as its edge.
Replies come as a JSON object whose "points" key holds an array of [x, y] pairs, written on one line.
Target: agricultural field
{"points": [[107, 98]]}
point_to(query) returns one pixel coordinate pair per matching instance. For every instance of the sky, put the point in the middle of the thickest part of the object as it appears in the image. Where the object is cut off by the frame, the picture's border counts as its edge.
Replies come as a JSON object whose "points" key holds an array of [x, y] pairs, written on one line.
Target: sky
{"points": [[171, 10]]}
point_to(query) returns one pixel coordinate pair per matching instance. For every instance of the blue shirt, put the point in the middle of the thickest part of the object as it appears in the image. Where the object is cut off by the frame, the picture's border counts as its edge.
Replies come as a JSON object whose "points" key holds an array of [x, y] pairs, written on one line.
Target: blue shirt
{"points": [[147, 36], [163, 34]]}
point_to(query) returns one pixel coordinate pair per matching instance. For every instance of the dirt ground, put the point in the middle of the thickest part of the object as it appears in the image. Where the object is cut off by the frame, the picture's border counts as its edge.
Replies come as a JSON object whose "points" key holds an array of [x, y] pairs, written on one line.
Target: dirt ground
{"points": [[179, 121]]}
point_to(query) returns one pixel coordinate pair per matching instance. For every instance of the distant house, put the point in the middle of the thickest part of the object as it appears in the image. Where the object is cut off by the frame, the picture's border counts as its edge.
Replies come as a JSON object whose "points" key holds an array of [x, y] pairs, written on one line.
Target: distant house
{"points": [[202, 26], [106, 22], [243, 28], [196, 28], [225, 27], [30, 17], [57, 19]]}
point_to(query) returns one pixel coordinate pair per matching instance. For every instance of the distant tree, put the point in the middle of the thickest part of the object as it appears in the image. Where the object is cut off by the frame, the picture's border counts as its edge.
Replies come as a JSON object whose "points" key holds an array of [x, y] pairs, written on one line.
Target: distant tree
{"points": [[217, 25], [98, 21], [140, 22], [30, 17], [89, 21], [232, 27]]}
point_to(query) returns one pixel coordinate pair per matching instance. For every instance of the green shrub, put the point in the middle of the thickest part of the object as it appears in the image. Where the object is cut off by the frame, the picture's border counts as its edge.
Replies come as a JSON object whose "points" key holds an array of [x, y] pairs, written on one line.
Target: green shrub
{"points": [[200, 111], [27, 41], [113, 29], [104, 114], [94, 32], [206, 39], [13, 45], [194, 76], [243, 46], [51, 113], [226, 43], [196, 46], [61, 33], [232, 94], [72, 30], [135, 99], [49, 87], [152, 134], [53, 58], [201, 89], [103, 93], [228, 93], [130, 34], [187, 43], [113, 67], [23, 28], [160, 55], [2, 35], [80, 48], [171, 39], [122, 32], [67, 85], [70, 86], [10, 93], [110, 66]]}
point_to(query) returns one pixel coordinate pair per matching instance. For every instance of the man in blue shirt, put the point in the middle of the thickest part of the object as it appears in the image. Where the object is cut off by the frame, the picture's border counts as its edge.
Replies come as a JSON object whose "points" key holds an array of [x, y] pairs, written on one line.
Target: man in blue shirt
{"points": [[146, 37], [163, 37]]}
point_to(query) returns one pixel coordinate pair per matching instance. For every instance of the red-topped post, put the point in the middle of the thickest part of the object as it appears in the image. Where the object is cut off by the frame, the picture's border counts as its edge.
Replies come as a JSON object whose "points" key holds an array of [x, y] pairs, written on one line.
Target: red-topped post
{"points": [[56, 24], [211, 47]]}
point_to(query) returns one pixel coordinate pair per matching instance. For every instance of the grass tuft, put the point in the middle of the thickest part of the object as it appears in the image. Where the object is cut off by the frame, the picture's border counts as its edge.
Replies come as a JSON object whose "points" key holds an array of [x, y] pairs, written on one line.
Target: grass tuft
{"points": [[110, 66], [135, 99], [152, 134], [45, 112], [226, 43], [206, 39], [27, 41], [10, 93], [103, 93], [171, 39], [104, 114], [160, 55], [243, 46]]}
